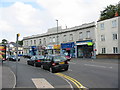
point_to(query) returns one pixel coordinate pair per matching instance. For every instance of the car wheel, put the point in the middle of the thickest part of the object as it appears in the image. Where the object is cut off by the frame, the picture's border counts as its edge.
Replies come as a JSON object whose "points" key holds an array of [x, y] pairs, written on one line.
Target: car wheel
{"points": [[35, 64], [28, 63], [52, 70], [42, 66], [66, 69]]}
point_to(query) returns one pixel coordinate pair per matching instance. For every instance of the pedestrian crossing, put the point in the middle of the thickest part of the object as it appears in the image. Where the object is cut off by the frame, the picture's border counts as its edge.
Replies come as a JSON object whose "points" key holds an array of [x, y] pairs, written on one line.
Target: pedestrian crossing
{"points": [[41, 83]]}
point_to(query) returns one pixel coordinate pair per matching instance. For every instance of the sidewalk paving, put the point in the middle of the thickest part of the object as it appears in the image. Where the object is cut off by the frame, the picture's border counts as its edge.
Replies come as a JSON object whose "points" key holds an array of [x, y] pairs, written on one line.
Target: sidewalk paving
{"points": [[8, 77]]}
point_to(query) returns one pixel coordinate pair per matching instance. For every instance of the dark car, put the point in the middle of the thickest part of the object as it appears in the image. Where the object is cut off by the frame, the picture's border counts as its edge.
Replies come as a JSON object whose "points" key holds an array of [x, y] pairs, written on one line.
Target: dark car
{"points": [[55, 63], [13, 58], [35, 60], [27, 56], [68, 57]]}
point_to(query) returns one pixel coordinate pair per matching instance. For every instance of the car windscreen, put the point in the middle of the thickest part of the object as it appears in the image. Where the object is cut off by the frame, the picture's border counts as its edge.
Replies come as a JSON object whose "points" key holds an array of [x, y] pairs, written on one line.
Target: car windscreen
{"points": [[59, 58], [40, 57]]}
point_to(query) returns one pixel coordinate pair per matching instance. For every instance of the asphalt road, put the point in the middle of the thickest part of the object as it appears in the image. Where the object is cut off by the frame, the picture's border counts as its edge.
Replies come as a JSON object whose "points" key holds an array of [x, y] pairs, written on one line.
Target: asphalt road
{"points": [[83, 72]]}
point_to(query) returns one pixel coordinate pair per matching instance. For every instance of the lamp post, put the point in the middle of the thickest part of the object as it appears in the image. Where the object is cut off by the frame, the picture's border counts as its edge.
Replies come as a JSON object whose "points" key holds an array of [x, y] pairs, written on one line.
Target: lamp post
{"points": [[57, 34], [17, 55]]}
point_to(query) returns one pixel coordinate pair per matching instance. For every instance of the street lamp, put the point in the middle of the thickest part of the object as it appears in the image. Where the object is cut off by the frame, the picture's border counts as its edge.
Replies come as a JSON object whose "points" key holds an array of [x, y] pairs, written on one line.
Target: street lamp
{"points": [[57, 31], [57, 35]]}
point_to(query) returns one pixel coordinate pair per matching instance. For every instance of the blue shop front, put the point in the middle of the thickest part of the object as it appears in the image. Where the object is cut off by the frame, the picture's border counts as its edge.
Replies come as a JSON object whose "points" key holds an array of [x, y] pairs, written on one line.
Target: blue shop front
{"points": [[33, 50], [68, 48]]}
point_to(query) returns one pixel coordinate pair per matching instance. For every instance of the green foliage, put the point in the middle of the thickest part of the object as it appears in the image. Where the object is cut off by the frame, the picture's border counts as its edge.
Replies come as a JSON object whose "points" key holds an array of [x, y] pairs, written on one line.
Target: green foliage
{"points": [[109, 12], [20, 42], [4, 41]]}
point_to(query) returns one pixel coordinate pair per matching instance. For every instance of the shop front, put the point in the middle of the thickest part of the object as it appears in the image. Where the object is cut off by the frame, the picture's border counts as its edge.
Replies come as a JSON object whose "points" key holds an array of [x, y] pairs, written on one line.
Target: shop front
{"points": [[41, 50], [68, 49], [49, 49], [33, 50], [56, 49], [84, 49]]}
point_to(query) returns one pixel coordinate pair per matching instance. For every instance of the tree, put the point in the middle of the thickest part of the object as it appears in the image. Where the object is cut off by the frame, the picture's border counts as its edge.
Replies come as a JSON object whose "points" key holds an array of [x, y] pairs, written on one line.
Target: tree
{"points": [[4, 41], [110, 12], [20, 42]]}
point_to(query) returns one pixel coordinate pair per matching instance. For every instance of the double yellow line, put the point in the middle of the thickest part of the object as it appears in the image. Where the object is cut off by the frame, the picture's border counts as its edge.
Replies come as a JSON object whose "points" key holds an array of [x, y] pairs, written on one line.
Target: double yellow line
{"points": [[78, 84]]}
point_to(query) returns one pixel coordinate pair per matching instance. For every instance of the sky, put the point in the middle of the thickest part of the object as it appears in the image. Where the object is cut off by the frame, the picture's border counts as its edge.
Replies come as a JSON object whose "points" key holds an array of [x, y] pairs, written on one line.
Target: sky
{"points": [[32, 17]]}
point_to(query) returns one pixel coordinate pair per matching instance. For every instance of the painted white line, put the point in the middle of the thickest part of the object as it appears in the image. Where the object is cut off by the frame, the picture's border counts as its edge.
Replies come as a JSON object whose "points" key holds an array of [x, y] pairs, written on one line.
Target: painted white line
{"points": [[41, 83], [15, 79], [71, 62], [69, 70], [97, 66]]}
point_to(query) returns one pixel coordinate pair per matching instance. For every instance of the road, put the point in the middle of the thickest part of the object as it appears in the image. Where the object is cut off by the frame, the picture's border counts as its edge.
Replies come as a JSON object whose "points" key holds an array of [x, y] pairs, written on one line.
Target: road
{"points": [[85, 73]]}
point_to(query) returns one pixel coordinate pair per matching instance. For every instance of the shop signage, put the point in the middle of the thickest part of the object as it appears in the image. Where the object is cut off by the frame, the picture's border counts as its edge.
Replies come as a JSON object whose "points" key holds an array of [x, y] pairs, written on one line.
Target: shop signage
{"points": [[67, 45], [56, 47], [89, 43]]}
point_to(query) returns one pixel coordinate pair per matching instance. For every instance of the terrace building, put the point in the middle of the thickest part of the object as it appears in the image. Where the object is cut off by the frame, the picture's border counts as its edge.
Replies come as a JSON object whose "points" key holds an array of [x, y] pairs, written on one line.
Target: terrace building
{"points": [[78, 41]]}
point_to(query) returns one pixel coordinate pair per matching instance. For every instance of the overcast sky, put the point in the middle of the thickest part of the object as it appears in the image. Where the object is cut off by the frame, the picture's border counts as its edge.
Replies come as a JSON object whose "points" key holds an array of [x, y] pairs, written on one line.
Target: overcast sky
{"points": [[31, 17]]}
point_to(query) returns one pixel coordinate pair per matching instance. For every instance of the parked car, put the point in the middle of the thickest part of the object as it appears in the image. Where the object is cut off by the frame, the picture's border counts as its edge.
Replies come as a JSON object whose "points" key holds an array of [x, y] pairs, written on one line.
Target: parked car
{"points": [[68, 57], [55, 63], [35, 60], [27, 56], [13, 58]]}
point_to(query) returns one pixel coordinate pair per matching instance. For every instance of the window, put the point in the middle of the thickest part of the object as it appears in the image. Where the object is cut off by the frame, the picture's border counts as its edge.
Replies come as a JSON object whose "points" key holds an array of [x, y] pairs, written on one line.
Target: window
{"points": [[103, 50], [88, 34], [44, 41], [50, 39], [31, 42], [102, 37], [27, 43], [114, 36], [80, 35], [64, 38], [102, 26], [114, 23], [53, 39], [58, 38], [34, 42], [71, 37], [40, 41], [115, 50]]}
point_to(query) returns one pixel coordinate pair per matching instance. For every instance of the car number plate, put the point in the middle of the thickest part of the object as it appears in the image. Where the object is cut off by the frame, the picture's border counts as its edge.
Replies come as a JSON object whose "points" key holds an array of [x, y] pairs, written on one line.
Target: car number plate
{"points": [[61, 63]]}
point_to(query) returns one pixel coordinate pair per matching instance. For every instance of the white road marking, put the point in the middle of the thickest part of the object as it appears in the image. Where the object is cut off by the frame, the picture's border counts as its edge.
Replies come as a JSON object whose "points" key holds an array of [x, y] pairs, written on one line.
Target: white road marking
{"points": [[97, 66], [72, 63], [41, 83], [69, 70]]}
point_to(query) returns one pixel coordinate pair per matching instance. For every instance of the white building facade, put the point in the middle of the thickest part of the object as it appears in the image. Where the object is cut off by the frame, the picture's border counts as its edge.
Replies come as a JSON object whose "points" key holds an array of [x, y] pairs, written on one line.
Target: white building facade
{"points": [[77, 41], [108, 38]]}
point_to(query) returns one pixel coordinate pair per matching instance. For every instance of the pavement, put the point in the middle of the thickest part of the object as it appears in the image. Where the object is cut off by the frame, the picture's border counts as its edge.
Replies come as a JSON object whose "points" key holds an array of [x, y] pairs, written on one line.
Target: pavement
{"points": [[8, 77]]}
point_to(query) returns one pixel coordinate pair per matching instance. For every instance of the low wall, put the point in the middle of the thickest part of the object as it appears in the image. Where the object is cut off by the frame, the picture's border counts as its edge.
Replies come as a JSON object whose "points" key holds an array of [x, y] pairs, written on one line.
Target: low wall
{"points": [[108, 56]]}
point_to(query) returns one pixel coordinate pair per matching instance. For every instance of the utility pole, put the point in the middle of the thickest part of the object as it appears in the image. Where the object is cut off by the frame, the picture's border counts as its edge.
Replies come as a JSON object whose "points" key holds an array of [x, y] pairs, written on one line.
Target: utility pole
{"points": [[17, 56], [57, 34]]}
